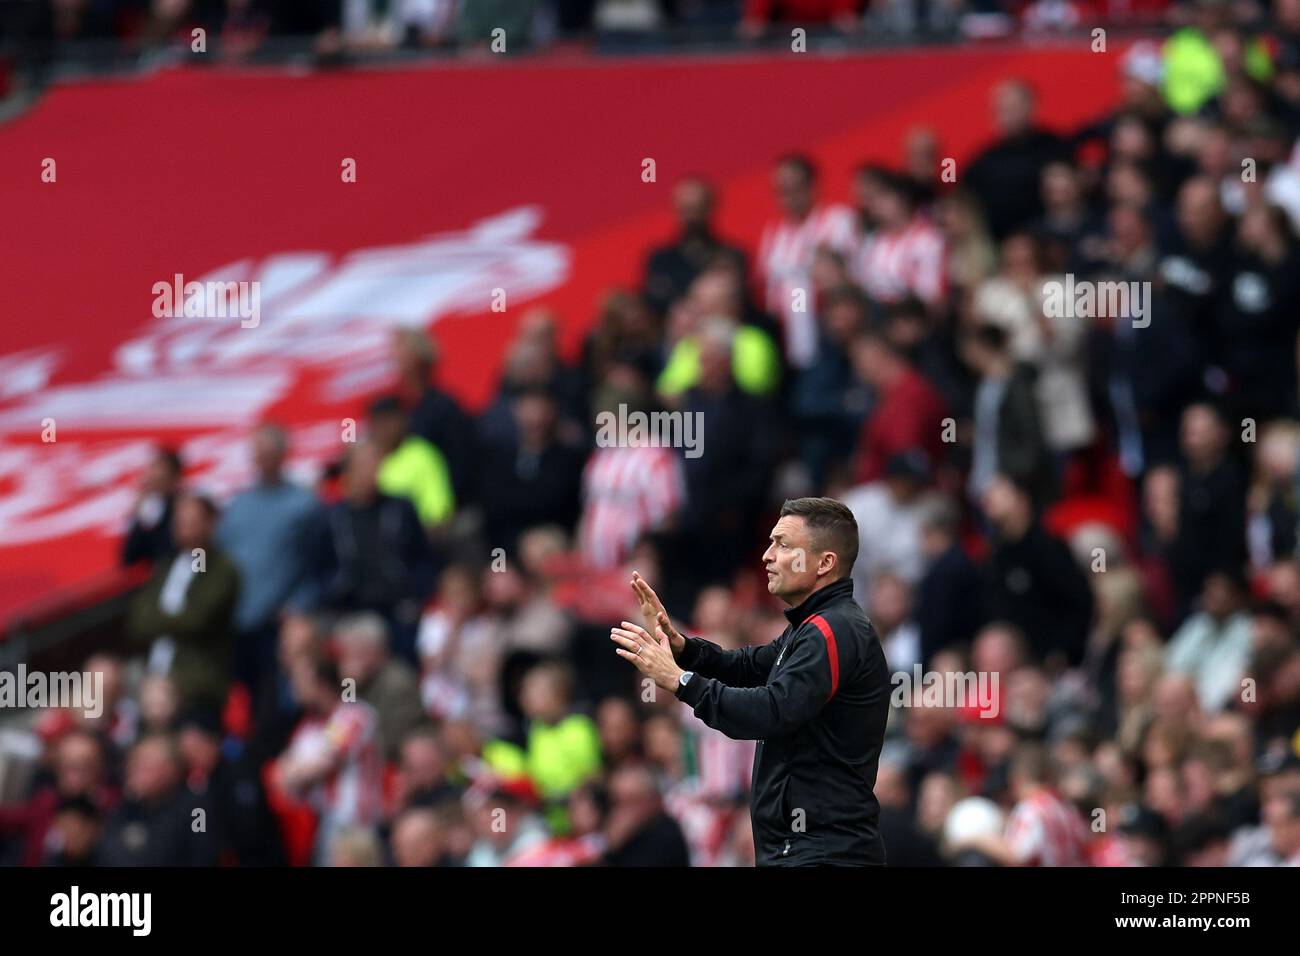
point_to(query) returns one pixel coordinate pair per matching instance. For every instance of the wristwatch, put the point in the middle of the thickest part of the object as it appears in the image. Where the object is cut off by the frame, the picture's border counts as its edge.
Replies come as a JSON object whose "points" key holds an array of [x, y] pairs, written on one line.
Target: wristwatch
{"points": [[683, 679]]}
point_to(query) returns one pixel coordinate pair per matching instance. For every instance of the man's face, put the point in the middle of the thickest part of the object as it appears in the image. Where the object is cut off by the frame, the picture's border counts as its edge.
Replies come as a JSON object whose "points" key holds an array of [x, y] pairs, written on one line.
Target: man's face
{"points": [[150, 772], [1198, 208], [1013, 108], [80, 833], [694, 205], [793, 190], [363, 472], [268, 455], [192, 527], [417, 840], [160, 477], [1202, 436], [422, 765], [790, 559], [77, 766]]}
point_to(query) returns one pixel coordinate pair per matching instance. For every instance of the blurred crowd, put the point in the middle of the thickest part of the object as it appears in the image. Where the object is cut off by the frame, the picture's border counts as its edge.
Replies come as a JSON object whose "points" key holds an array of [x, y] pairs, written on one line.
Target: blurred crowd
{"points": [[407, 663], [237, 29]]}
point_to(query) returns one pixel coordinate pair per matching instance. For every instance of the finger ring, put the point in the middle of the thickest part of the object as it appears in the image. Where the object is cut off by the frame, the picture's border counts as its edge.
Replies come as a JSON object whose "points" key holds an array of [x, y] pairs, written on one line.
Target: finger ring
{"points": [[639, 649]]}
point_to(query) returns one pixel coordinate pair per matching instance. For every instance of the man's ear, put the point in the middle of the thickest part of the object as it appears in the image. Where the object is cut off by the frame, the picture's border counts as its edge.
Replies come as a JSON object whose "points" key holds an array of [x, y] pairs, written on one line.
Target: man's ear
{"points": [[828, 564]]}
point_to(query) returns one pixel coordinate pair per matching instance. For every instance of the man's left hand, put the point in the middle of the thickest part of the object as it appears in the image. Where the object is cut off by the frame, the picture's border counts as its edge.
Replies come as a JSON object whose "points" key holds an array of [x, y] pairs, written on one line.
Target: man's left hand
{"points": [[653, 656]]}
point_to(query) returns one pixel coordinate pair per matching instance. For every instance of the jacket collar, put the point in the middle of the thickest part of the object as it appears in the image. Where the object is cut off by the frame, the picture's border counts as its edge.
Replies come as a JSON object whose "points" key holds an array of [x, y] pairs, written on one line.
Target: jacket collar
{"points": [[819, 600]]}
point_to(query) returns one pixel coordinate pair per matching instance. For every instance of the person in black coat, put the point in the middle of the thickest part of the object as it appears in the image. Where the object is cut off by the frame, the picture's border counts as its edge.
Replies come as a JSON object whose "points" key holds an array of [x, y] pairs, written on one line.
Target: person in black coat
{"points": [[1005, 176], [149, 536], [1008, 436], [435, 415], [638, 830], [376, 556], [1211, 503], [1032, 579], [728, 472], [816, 698], [533, 478], [948, 605], [155, 824], [230, 793], [670, 269]]}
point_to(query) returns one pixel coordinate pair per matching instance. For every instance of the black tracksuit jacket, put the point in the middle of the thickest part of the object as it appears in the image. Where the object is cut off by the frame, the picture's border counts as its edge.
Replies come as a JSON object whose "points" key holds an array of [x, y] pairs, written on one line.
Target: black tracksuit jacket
{"points": [[816, 700]]}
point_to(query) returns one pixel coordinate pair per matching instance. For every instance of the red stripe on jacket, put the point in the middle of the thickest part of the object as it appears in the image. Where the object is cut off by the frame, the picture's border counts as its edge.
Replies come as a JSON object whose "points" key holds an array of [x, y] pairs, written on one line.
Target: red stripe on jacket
{"points": [[832, 649]]}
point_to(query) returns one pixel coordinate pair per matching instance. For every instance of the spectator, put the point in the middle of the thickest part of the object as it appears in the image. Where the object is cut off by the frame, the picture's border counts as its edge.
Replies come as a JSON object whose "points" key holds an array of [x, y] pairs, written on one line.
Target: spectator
{"points": [[376, 554], [670, 269], [149, 536], [76, 831], [535, 478], [638, 831], [272, 532], [184, 613], [434, 414], [1194, 263], [948, 596], [1018, 156], [889, 527], [422, 771], [627, 490], [905, 256], [505, 822], [1008, 436], [726, 479], [1043, 829], [81, 772], [1258, 322], [355, 846], [334, 759], [717, 298], [411, 468], [906, 844], [230, 792], [626, 332], [1051, 340], [1274, 513], [1213, 645], [826, 402], [562, 749], [1032, 579], [1212, 503], [387, 684], [909, 413], [786, 249], [152, 827], [418, 838]]}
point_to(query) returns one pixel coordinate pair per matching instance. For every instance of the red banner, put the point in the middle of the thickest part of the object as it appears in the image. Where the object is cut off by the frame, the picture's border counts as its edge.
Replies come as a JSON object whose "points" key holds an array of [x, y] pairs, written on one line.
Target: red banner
{"points": [[524, 177]]}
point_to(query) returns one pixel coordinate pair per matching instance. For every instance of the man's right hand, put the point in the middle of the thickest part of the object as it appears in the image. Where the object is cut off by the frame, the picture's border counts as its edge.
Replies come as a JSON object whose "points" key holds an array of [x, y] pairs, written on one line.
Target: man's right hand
{"points": [[654, 615]]}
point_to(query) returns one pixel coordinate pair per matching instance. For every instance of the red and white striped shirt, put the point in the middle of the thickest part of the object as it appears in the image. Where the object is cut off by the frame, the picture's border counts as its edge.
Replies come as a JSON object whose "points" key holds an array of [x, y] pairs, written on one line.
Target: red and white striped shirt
{"points": [[627, 491], [351, 795], [785, 258], [910, 261], [725, 767], [1044, 830]]}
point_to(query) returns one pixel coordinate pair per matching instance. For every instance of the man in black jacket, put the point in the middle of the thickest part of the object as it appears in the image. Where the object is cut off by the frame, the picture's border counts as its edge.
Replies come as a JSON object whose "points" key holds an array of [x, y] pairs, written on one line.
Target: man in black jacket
{"points": [[816, 698]]}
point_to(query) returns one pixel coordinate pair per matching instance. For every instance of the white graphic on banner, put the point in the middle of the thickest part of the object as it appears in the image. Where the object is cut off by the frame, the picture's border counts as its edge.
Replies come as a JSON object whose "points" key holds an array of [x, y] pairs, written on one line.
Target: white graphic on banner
{"points": [[318, 311]]}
